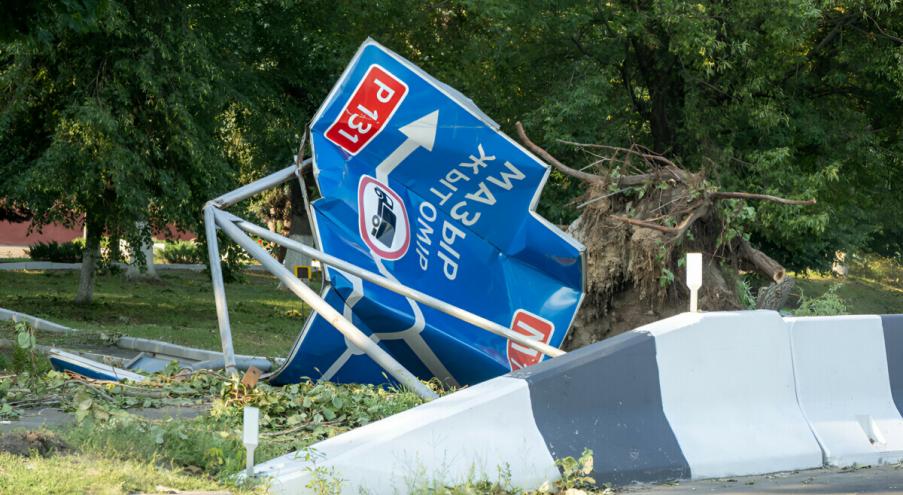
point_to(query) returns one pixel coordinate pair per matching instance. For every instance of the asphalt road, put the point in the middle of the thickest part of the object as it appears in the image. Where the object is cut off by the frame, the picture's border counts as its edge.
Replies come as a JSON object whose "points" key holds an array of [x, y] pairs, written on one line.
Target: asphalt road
{"points": [[887, 479]]}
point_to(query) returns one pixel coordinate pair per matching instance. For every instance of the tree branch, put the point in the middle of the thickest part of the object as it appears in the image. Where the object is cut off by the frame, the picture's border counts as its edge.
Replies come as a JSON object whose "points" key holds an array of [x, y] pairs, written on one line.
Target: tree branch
{"points": [[678, 231], [644, 224], [652, 159], [651, 156], [628, 86], [763, 197], [842, 22], [545, 155], [887, 35], [691, 219]]}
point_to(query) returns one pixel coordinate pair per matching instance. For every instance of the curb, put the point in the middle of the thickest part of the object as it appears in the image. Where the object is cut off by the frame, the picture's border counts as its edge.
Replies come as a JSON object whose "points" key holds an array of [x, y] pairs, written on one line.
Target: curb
{"points": [[51, 266]]}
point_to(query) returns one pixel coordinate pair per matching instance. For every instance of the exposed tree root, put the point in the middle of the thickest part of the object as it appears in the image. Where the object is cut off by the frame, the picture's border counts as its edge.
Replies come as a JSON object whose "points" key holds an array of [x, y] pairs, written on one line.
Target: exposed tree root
{"points": [[641, 213]]}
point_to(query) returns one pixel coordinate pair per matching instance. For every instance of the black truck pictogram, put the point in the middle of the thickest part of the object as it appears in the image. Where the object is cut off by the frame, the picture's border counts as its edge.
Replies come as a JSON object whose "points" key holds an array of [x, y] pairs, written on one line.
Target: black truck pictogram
{"points": [[384, 220]]}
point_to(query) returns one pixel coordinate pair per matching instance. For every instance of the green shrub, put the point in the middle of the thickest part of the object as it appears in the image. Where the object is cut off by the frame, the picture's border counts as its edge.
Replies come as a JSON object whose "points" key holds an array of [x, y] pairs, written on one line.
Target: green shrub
{"points": [[69, 252], [25, 357], [744, 293], [188, 252], [827, 304]]}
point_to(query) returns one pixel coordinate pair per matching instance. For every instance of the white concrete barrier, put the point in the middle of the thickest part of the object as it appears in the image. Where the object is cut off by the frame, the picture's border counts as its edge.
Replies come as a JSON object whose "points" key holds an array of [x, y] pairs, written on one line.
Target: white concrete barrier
{"points": [[844, 389], [728, 393], [698, 395], [468, 435]]}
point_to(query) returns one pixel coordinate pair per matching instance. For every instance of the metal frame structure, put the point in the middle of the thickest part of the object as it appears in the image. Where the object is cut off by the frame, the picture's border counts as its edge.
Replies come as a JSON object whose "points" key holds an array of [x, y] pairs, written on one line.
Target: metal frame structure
{"points": [[239, 230]]}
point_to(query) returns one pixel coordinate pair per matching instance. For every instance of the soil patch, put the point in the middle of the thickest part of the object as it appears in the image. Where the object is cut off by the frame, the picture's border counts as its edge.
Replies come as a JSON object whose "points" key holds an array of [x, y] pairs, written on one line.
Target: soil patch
{"points": [[31, 443]]}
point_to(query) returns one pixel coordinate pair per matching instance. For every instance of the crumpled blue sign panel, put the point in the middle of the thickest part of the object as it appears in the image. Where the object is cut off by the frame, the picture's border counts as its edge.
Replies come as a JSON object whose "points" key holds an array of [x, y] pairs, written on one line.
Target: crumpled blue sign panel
{"points": [[420, 186]]}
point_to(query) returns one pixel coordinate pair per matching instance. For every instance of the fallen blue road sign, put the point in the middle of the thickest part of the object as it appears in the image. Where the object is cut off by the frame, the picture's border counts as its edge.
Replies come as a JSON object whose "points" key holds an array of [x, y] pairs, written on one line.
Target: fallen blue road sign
{"points": [[420, 186]]}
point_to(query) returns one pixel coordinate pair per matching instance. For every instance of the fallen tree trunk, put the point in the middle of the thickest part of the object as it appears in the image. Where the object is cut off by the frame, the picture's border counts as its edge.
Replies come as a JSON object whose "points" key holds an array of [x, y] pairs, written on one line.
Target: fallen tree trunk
{"points": [[763, 263]]}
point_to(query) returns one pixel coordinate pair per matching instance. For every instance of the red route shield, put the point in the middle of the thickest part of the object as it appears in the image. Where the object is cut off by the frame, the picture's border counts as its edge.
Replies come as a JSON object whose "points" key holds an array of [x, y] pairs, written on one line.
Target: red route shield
{"points": [[368, 110], [534, 327]]}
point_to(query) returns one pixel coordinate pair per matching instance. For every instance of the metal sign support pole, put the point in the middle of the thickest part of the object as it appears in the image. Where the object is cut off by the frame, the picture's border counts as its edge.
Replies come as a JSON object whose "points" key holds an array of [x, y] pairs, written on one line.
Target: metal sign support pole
{"points": [[219, 290], [449, 309], [318, 304], [260, 185]]}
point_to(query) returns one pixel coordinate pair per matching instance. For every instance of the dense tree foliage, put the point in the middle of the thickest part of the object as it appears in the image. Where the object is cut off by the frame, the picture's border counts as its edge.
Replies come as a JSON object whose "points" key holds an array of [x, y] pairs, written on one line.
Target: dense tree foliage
{"points": [[111, 113], [798, 98], [129, 111]]}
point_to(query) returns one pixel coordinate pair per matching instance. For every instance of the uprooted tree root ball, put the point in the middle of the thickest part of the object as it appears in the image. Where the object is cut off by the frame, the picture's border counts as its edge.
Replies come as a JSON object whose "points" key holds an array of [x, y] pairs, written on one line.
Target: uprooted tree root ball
{"points": [[640, 214]]}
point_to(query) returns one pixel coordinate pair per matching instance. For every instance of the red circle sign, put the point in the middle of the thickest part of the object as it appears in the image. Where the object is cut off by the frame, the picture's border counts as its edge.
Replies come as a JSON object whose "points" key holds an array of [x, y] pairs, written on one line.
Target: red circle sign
{"points": [[383, 219]]}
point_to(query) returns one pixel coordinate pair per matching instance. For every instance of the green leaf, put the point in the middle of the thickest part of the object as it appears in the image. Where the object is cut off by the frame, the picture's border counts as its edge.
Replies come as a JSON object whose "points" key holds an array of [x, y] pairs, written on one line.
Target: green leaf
{"points": [[25, 340], [586, 462]]}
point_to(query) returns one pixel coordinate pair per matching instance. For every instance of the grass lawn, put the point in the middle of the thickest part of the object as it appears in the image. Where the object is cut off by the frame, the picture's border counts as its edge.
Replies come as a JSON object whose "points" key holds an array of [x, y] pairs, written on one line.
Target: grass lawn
{"points": [[113, 448], [861, 296], [873, 286], [265, 320], [178, 308], [79, 474]]}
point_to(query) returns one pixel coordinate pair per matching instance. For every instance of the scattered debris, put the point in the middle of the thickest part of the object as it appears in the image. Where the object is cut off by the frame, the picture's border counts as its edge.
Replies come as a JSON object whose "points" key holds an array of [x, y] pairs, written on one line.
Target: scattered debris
{"points": [[251, 377]]}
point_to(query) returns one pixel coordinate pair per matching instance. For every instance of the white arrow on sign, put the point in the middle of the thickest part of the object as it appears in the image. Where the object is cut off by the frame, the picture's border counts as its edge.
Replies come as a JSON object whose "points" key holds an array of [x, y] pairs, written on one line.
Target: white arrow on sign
{"points": [[420, 133]]}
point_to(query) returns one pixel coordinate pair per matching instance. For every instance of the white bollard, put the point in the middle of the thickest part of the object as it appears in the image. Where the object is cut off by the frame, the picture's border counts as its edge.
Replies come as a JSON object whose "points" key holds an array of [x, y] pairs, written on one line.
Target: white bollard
{"points": [[251, 427], [694, 279]]}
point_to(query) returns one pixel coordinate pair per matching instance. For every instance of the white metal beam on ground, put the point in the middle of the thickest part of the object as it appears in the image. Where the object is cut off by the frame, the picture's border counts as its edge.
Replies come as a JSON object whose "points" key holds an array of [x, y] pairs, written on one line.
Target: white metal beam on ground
{"points": [[35, 322]]}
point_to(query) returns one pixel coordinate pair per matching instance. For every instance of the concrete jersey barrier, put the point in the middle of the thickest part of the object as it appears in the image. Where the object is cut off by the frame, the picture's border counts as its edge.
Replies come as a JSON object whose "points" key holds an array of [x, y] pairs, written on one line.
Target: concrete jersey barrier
{"points": [[728, 393], [471, 434], [607, 397], [698, 395], [686, 397], [850, 385]]}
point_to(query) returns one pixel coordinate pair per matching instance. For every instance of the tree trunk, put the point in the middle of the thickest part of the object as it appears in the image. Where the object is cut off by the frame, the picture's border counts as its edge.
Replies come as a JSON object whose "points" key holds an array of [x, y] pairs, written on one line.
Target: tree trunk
{"points": [[763, 263], [93, 233], [665, 86], [114, 249], [300, 224], [299, 229], [135, 268]]}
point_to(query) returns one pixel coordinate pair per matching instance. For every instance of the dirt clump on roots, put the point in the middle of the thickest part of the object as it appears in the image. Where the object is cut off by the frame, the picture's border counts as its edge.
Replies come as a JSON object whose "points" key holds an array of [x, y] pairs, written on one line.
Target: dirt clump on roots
{"points": [[627, 285]]}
